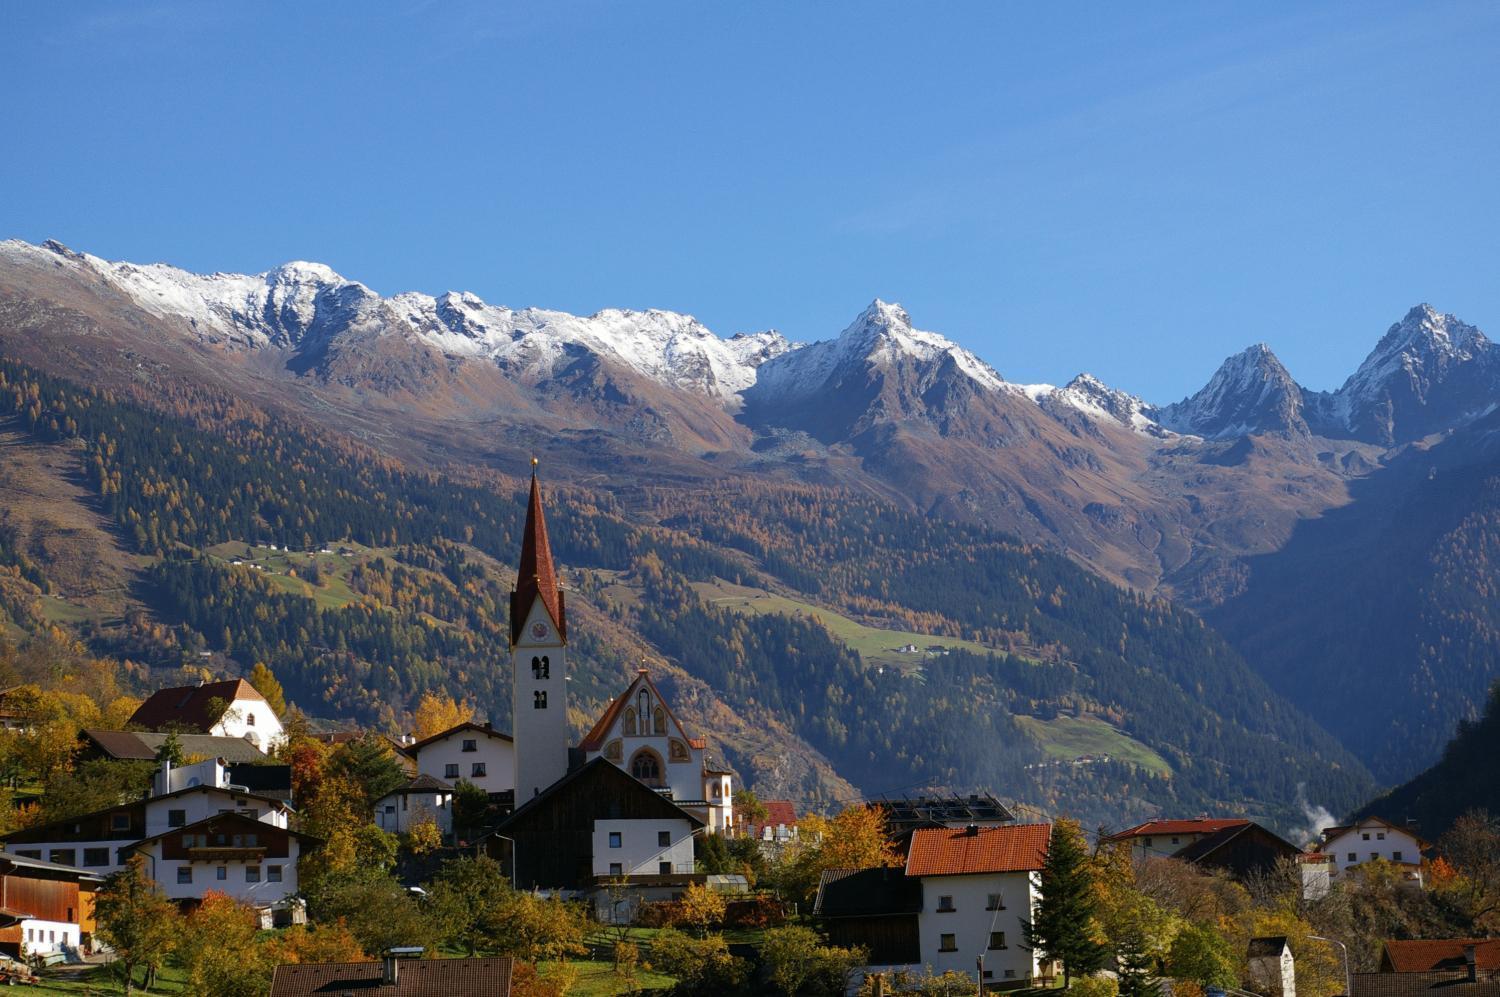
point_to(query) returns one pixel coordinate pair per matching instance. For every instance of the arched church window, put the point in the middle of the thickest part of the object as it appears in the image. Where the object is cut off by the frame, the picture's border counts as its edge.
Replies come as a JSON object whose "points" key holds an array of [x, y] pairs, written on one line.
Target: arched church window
{"points": [[645, 767], [627, 723], [659, 721], [539, 700], [541, 668]]}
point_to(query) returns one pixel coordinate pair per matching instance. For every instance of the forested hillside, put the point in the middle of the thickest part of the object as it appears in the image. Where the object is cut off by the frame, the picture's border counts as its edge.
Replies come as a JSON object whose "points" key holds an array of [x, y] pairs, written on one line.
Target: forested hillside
{"points": [[410, 597]]}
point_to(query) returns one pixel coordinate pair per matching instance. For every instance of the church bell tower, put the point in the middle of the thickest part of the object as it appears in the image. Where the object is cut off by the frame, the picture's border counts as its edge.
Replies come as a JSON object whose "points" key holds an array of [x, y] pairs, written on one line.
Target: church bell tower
{"points": [[538, 651]]}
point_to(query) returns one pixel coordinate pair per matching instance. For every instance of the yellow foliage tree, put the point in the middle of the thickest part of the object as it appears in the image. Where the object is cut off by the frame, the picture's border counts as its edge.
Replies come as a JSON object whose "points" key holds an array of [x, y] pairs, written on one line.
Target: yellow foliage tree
{"points": [[435, 714]]}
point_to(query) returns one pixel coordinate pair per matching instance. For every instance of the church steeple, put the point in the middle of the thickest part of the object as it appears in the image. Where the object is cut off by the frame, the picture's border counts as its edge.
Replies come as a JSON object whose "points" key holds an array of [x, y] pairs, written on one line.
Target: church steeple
{"points": [[537, 577]]}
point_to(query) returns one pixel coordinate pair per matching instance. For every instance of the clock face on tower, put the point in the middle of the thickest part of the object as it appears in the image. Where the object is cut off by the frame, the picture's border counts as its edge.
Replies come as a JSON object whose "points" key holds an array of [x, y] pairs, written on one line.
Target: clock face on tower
{"points": [[539, 630]]}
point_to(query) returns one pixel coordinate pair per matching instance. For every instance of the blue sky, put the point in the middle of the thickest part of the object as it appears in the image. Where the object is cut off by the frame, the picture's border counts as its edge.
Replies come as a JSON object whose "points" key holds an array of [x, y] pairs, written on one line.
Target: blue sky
{"points": [[1133, 189]]}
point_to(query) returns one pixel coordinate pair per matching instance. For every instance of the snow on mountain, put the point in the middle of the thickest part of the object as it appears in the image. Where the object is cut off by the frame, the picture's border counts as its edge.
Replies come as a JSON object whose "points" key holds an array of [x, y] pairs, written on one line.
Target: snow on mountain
{"points": [[1251, 392], [668, 347], [1091, 396], [882, 336]]}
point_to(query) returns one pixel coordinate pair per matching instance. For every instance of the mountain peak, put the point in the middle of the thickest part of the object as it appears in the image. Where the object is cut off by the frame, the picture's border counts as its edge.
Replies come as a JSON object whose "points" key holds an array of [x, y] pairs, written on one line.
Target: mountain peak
{"points": [[1251, 392]]}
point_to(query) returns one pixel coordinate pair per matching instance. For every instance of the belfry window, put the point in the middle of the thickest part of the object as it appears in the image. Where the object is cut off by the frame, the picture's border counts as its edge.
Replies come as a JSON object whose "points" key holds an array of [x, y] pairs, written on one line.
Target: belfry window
{"points": [[539, 700], [541, 668]]}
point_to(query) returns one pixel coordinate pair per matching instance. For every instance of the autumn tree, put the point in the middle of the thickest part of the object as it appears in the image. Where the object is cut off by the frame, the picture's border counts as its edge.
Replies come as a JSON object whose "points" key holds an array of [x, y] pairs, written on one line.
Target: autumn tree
{"points": [[1064, 927], [330, 942], [437, 713], [140, 924], [1472, 848], [464, 900], [219, 950], [702, 907], [263, 680]]}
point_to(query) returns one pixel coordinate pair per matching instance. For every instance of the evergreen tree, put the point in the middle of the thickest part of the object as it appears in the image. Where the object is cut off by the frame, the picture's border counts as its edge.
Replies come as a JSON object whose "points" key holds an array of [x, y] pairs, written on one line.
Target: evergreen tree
{"points": [[1134, 963], [1063, 928]]}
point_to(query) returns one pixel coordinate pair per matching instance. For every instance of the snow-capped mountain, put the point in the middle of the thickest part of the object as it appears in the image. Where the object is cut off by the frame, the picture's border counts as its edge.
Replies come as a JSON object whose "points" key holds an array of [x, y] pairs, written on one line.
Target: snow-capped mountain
{"points": [[1251, 392], [1427, 373]]}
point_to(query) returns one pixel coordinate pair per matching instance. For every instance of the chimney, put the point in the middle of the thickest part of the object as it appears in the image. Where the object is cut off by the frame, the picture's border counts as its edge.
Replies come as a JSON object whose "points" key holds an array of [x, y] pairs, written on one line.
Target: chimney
{"points": [[1471, 967], [390, 963]]}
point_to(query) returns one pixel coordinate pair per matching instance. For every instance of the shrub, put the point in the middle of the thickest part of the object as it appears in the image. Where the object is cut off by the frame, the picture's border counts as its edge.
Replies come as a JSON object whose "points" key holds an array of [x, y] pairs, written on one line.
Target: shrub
{"points": [[1095, 986], [701, 965]]}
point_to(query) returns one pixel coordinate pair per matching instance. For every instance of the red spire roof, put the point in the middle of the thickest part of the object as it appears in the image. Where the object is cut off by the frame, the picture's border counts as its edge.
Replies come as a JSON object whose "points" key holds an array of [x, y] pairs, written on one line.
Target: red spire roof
{"points": [[536, 578]]}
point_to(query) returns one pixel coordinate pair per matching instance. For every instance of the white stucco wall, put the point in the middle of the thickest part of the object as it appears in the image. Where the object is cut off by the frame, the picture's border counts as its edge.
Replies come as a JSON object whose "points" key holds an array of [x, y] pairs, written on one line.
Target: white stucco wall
{"points": [[640, 852], [397, 812], [45, 937], [971, 924], [1370, 841], [253, 720], [542, 734], [494, 752]]}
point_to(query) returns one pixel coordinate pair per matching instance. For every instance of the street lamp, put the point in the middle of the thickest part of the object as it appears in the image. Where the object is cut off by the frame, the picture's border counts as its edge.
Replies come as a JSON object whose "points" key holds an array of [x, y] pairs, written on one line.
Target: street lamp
{"points": [[1348, 980]]}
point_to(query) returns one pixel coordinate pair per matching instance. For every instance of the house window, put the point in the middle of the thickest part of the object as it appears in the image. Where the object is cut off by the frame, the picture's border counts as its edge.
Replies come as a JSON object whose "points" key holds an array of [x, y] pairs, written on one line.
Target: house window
{"points": [[70, 914], [1366, 835], [119, 822], [390, 808], [176, 818], [616, 869], [541, 668], [250, 720], [663, 839], [477, 770], [997, 940], [1147, 842], [539, 700], [1374, 856], [1353, 857], [252, 873], [947, 943], [221, 873], [63, 856], [1176, 840], [1380, 835], [450, 771], [184, 874], [1395, 856], [945, 904], [665, 868], [273, 873], [95, 856], [994, 902], [471, 744], [614, 839]]}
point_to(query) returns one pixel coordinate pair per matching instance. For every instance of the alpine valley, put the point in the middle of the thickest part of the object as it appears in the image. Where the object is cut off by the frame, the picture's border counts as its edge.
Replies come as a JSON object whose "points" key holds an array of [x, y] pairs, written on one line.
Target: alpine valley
{"points": [[869, 564]]}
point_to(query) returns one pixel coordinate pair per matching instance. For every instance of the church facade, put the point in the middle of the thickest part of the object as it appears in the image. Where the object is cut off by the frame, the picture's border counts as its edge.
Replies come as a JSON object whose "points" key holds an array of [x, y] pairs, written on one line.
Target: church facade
{"points": [[638, 732]]}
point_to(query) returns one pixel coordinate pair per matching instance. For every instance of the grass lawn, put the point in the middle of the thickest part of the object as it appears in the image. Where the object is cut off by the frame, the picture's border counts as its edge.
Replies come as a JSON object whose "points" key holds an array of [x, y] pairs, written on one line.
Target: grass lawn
{"points": [[279, 565], [875, 645], [599, 979], [101, 980], [1073, 737]]}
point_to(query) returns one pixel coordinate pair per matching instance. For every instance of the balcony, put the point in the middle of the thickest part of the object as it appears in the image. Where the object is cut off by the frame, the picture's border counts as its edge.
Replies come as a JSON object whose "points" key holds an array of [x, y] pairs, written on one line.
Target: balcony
{"points": [[226, 853]]}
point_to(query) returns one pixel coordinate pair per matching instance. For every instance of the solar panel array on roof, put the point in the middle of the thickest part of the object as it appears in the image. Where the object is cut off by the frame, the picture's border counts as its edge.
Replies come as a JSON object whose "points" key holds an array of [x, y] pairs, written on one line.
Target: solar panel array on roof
{"points": [[948, 811]]}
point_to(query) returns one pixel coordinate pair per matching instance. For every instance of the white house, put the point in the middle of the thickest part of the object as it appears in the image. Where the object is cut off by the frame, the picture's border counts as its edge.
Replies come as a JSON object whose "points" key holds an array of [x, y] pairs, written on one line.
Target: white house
{"points": [[422, 798], [475, 753], [639, 733], [99, 842], [1165, 838], [979, 885], [1352, 845], [231, 708], [247, 859]]}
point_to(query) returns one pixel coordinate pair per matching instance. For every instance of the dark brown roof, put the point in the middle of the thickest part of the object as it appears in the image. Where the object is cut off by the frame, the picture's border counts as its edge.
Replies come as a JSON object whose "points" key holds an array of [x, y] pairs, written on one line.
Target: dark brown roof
{"points": [[661, 806], [1204, 848], [537, 577], [946, 851], [223, 818], [1424, 985], [143, 745], [423, 784], [414, 978], [1436, 954], [484, 729], [187, 706], [879, 892]]}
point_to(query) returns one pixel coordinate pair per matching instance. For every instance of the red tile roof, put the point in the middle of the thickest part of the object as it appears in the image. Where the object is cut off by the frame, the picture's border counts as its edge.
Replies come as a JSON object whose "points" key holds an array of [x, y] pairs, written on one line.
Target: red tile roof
{"points": [[946, 851], [537, 577], [1426, 956], [778, 813], [1196, 825], [187, 706]]}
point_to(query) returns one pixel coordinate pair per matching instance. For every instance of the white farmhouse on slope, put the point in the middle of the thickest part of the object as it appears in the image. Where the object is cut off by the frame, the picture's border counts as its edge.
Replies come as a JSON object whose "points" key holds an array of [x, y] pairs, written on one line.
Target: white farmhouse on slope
{"points": [[227, 709], [471, 752], [1352, 845]]}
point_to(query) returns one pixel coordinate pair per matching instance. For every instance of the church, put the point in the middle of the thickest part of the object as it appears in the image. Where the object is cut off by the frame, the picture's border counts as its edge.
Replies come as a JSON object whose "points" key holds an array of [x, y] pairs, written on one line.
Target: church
{"points": [[638, 733]]}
